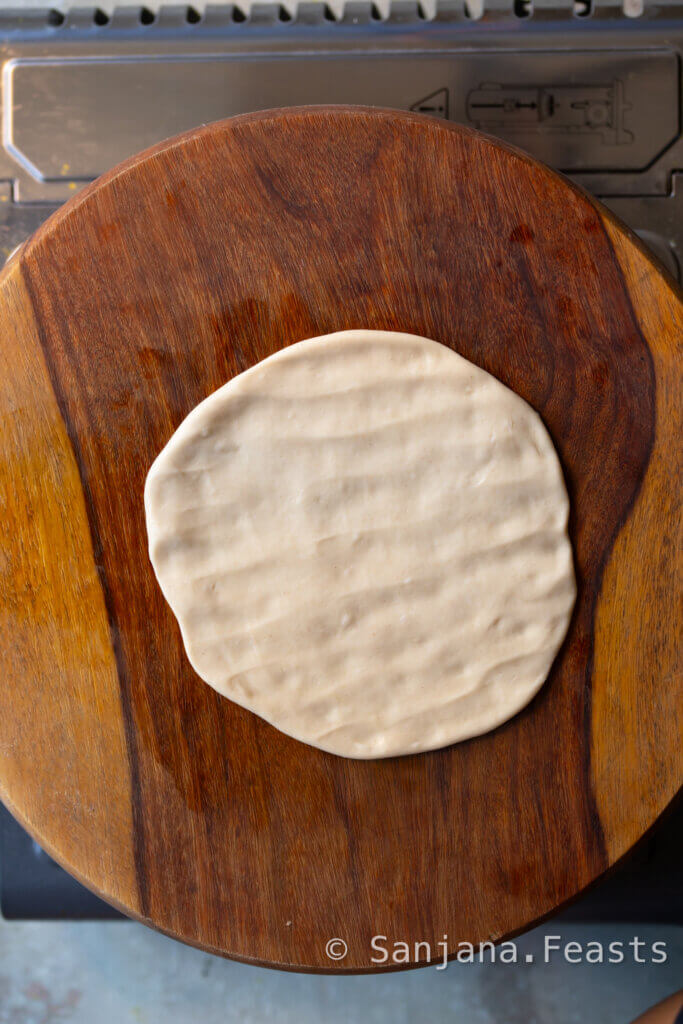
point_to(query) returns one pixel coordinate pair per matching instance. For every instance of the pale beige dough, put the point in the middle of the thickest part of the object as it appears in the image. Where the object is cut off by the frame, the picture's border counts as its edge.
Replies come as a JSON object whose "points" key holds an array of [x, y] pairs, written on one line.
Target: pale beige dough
{"points": [[363, 539]]}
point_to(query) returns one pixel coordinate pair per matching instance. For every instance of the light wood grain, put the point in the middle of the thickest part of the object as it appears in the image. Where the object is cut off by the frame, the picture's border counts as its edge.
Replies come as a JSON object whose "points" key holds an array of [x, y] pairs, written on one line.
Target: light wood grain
{"points": [[637, 663], [155, 285], [56, 659]]}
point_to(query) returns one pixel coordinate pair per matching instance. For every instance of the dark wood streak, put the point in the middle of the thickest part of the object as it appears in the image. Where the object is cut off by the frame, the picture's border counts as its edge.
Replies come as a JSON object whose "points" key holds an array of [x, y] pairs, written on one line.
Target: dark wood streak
{"points": [[618, 526], [645, 440], [117, 647], [187, 266]]}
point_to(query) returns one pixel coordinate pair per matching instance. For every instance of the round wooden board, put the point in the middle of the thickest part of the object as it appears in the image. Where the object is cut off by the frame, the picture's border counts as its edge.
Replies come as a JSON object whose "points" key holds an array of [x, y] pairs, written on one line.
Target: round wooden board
{"points": [[150, 289]]}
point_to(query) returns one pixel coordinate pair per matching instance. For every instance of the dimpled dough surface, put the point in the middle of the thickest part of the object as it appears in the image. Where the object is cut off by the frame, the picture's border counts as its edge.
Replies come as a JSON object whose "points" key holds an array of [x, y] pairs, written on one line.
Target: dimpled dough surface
{"points": [[363, 539]]}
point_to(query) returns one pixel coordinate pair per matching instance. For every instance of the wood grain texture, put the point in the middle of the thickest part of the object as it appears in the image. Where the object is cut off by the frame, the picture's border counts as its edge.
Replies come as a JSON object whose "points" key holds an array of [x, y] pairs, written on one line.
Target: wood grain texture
{"points": [[636, 662], [56, 660], [148, 291]]}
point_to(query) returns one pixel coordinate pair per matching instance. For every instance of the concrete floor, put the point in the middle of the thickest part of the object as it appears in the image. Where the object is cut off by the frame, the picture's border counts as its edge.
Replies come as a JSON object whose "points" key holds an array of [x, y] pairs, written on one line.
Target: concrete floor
{"points": [[122, 973]]}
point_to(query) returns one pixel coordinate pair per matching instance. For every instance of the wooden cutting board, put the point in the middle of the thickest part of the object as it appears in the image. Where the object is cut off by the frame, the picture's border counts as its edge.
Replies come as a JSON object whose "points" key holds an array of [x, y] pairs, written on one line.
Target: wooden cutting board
{"points": [[150, 289]]}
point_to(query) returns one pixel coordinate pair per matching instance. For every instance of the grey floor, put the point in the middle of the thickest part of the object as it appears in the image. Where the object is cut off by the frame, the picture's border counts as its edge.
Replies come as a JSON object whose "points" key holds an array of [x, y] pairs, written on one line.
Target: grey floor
{"points": [[120, 972]]}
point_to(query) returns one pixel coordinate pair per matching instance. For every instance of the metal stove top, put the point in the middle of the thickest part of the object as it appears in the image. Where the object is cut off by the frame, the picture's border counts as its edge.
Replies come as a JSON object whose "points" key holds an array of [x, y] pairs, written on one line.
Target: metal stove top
{"points": [[580, 85]]}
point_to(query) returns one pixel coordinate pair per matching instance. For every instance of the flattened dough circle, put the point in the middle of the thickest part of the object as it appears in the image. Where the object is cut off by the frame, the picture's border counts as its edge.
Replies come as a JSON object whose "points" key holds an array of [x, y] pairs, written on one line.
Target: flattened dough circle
{"points": [[364, 541]]}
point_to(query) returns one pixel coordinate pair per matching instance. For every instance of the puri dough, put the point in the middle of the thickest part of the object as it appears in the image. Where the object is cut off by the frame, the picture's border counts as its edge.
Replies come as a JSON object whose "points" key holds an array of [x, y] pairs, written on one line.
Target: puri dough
{"points": [[363, 539]]}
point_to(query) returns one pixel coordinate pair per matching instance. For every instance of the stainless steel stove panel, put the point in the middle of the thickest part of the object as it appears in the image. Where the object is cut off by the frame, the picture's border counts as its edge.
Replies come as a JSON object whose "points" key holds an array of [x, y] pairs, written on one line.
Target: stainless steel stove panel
{"points": [[69, 120]]}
